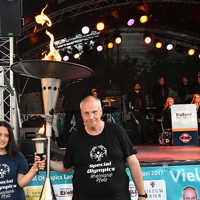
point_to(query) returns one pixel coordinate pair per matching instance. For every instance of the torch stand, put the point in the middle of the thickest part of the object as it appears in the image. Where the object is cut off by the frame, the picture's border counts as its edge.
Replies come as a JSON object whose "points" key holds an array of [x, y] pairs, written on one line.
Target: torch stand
{"points": [[51, 73]]}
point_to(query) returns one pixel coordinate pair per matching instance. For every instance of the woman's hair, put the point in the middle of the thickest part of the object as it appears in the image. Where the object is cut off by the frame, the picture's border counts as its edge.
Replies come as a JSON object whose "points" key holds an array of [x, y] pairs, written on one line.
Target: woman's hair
{"points": [[166, 106], [11, 148], [193, 99]]}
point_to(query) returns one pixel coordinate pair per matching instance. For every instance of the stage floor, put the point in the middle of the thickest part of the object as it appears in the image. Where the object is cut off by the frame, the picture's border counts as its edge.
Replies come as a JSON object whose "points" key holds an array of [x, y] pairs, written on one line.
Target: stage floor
{"points": [[156, 154]]}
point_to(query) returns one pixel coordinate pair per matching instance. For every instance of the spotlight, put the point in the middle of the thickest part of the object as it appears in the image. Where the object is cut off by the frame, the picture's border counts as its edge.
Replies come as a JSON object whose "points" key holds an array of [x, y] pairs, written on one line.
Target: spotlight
{"points": [[131, 22], [77, 56], [99, 48], [143, 19], [110, 45], [100, 26], [147, 39], [118, 39], [85, 30], [66, 58], [191, 52], [169, 47], [158, 45]]}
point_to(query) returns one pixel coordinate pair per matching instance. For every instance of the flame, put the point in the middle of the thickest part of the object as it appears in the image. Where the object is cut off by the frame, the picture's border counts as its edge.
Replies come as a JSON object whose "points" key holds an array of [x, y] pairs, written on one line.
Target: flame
{"points": [[53, 53], [42, 18], [41, 130]]}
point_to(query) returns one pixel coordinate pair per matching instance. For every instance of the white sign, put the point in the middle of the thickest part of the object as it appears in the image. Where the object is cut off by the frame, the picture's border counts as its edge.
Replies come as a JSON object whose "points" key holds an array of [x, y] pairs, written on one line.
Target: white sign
{"points": [[155, 189], [184, 117]]}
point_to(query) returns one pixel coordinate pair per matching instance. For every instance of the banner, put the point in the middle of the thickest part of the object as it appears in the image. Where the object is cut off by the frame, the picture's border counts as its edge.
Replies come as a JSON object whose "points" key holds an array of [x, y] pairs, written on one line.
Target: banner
{"points": [[161, 183], [184, 124], [184, 117]]}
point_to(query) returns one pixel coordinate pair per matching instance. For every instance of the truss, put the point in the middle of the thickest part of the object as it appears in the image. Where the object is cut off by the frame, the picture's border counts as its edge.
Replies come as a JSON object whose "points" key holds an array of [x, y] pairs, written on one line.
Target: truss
{"points": [[89, 6], [7, 92]]}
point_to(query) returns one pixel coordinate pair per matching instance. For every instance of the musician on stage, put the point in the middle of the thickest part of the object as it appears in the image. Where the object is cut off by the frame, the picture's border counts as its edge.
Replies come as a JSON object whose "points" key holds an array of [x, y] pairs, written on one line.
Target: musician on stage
{"points": [[166, 134], [94, 92], [160, 93], [167, 122], [196, 101], [135, 107]]}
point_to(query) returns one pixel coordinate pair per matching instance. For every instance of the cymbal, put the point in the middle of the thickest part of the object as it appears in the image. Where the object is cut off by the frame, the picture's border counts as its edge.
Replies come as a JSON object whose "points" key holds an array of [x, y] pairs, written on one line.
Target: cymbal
{"points": [[108, 100]]}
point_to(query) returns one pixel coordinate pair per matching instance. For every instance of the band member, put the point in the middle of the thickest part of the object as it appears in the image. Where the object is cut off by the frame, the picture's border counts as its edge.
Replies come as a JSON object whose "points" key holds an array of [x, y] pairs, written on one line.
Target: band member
{"points": [[94, 92], [167, 113], [136, 111], [160, 93], [184, 90], [166, 123], [196, 101]]}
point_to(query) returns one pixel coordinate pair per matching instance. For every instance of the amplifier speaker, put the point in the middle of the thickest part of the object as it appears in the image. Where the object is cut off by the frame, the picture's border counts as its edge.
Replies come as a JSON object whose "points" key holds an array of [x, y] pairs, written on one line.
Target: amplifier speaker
{"points": [[10, 18]]}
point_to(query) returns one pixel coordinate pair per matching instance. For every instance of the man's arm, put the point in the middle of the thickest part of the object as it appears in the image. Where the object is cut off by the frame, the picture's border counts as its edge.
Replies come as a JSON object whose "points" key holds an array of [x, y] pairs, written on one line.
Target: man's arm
{"points": [[59, 167], [136, 174]]}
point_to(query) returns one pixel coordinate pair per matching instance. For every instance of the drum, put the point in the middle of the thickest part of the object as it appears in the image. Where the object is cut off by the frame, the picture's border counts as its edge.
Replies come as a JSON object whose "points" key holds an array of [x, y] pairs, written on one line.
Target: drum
{"points": [[165, 137]]}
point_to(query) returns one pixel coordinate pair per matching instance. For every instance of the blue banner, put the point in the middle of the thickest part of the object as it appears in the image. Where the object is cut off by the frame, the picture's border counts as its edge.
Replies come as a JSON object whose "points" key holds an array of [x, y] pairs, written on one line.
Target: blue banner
{"points": [[161, 183]]}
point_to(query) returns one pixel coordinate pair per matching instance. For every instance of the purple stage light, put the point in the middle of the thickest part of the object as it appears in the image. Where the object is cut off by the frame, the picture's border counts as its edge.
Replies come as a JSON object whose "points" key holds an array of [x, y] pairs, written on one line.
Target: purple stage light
{"points": [[66, 58], [130, 22]]}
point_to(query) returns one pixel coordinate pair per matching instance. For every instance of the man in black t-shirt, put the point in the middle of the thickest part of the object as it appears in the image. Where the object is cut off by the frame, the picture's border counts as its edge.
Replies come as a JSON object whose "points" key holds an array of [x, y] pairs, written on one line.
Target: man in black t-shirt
{"points": [[98, 154]]}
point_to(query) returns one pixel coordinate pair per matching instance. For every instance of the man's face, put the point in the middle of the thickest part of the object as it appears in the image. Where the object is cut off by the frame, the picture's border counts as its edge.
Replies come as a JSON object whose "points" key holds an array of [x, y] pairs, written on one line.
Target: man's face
{"points": [[189, 194], [137, 88], [91, 112]]}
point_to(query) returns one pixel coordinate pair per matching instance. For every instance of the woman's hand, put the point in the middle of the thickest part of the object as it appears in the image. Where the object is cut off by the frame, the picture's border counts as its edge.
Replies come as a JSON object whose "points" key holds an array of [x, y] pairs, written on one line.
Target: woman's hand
{"points": [[41, 164]]}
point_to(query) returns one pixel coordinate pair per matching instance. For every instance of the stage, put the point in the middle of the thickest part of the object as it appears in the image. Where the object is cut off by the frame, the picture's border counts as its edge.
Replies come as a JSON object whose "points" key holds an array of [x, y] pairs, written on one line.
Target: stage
{"points": [[170, 155]]}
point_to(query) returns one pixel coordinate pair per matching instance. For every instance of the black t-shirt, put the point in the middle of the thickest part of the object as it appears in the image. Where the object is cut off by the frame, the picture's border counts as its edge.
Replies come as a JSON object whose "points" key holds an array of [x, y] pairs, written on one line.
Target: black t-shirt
{"points": [[99, 164]]}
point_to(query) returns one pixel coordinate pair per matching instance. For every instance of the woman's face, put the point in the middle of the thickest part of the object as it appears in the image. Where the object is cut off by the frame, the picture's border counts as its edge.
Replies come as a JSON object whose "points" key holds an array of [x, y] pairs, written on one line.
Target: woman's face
{"points": [[4, 138], [197, 99], [170, 102]]}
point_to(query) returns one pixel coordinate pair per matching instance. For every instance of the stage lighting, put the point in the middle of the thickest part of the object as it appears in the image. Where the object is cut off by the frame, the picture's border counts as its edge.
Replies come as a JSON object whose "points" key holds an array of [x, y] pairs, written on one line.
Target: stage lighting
{"points": [[118, 39], [169, 47], [110, 45], [85, 30], [147, 39], [66, 58], [191, 52], [100, 48], [158, 45], [77, 55], [100, 26], [131, 22], [143, 19]]}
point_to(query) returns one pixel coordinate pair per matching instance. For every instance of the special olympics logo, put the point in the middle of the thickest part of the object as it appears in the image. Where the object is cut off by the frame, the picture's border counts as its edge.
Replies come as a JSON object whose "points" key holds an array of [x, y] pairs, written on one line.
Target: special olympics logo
{"points": [[4, 170], [185, 137], [98, 152]]}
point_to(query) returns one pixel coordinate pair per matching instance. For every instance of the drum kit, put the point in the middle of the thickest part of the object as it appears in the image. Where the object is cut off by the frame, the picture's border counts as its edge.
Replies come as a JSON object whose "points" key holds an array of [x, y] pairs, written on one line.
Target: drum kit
{"points": [[165, 137], [108, 109]]}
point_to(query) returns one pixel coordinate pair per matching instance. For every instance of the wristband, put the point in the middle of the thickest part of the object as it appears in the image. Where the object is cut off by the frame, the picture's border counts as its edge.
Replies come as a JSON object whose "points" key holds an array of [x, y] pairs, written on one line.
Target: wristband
{"points": [[142, 195]]}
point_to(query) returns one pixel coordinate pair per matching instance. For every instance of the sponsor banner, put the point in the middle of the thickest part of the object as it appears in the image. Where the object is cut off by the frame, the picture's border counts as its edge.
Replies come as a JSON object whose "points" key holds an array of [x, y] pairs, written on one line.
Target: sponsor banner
{"points": [[62, 185], [185, 138], [161, 183]]}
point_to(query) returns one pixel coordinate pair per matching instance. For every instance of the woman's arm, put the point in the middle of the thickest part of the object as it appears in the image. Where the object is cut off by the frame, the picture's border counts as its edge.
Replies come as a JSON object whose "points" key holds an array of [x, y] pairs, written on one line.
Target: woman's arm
{"points": [[25, 179]]}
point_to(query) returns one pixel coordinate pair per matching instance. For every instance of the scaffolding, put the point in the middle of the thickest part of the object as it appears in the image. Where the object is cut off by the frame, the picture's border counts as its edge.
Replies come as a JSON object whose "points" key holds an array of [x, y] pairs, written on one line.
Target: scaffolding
{"points": [[8, 100]]}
